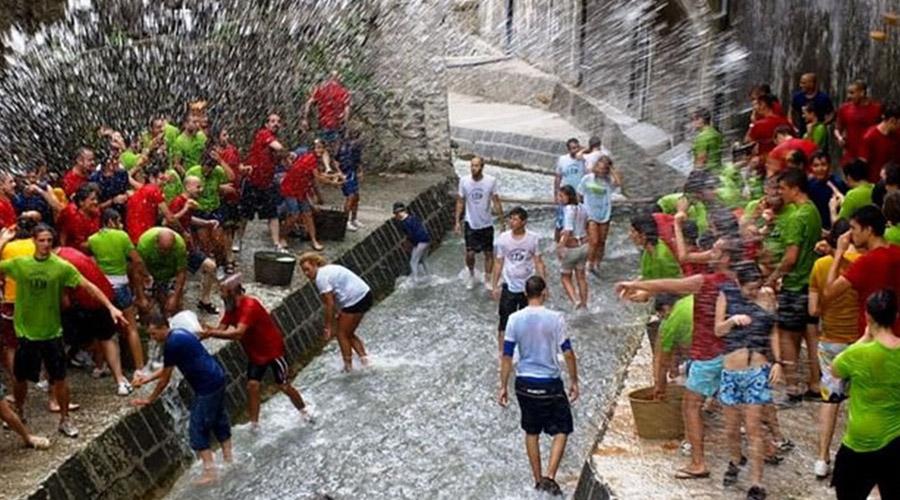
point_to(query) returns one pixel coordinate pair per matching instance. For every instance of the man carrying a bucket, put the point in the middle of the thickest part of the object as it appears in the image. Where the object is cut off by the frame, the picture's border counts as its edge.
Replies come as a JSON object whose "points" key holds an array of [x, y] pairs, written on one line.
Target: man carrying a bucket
{"points": [[540, 334]]}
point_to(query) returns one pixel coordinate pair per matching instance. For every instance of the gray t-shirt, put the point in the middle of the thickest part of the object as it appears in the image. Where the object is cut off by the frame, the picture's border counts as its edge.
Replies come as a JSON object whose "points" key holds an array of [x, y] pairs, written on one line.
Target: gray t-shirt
{"points": [[478, 195], [518, 258], [348, 288], [539, 334]]}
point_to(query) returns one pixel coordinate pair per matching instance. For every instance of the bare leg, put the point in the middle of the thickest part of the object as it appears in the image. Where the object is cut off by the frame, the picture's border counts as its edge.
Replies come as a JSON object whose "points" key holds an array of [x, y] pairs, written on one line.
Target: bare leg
{"points": [[470, 262], [790, 345], [253, 401], [733, 432], [209, 467], [111, 353], [294, 395], [61, 391], [227, 451], [14, 422], [693, 427], [307, 219], [20, 391], [601, 242], [274, 226], [593, 233], [556, 454], [753, 415], [569, 287], [828, 413], [348, 323], [811, 336], [133, 338], [488, 264], [581, 279], [533, 448], [346, 348], [207, 279]]}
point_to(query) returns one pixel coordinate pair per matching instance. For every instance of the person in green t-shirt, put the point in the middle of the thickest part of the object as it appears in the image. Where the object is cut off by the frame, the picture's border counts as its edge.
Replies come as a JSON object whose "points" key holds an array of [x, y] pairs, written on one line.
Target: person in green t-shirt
{"points": [[870, 450], [700, 191], [167, 261], [657, 261], [767, 218], [170, 184], [707, 147], [117, 257], [891, 210], [801, 233], [188, 148], [816, 131], [40, 281], [675, 334], [212, 178], [860, 194]]}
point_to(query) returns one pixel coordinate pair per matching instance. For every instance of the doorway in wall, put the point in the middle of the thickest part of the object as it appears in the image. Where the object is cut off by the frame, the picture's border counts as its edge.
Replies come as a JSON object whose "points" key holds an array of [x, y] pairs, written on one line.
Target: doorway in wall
{"points": [[510, 12]]}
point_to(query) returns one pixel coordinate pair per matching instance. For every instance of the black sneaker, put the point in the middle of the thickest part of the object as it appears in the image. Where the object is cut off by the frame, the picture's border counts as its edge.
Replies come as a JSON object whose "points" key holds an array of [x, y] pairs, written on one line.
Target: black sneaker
{"points": [[731, 475], [756, 493], [207, 308], [550, 486]]}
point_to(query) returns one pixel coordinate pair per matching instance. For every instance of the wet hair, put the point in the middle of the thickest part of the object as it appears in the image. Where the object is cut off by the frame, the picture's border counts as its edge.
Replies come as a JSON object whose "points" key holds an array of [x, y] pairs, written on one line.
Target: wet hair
{"points": [[747, 271], [882, 307], [858, 170], [534, 287], [81, 152], [795, 178], [860, 84], [703, 115], [208, 158], [595, 141], [811, 108], [152, 171], [571, 141], [797, 159], [314, 257], [646, 225], [25, 226], [569, 192], [891, 208], [783, 130], [480, 160], [85, 192], [820, 155], [699, 181], [724, 223], [108, 215], [43, 228], [891, 110], [519, 212], [838, 228], [760, 90], [158, 319], [870, 216], [733, 248], [665, 299], [767, 99], [690, 231]]}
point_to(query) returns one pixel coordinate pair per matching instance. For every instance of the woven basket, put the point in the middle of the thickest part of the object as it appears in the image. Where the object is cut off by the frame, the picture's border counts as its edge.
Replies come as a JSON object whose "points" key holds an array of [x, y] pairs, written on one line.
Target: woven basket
{"points": [[658, 419]]}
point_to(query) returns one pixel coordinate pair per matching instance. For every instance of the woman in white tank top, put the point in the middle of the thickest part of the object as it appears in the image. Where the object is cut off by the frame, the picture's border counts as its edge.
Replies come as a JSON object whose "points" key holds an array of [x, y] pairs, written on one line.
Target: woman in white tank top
{"points": [[572, 247]]}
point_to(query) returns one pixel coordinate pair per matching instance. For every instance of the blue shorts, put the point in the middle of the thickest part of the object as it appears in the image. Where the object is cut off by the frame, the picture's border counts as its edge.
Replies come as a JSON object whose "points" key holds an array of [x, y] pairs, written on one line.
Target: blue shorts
{"points": [[208, 415], [351, 185], [122, 296], [745, 387], [195, 260], [293, 206], [331, 135], [704, 376]]}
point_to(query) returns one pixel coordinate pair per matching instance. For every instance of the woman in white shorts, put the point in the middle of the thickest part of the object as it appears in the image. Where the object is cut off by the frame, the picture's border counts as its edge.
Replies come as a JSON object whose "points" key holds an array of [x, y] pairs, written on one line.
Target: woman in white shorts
{"points": [[572, 247], [596, 189]]}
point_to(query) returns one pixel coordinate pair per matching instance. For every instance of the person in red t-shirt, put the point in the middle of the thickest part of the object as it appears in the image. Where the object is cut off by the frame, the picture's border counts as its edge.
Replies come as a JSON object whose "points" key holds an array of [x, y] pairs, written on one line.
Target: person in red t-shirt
{"points": [[183, 206], [80, 173], [854, 117], [332, 102], [8, 216], [761, 90], [787, 143], [260, 197], [247, 321], [877, 269], [229, 158], [762, 131], [881, 143], [88, 320], [80, 218], [296, 187], [145, 206], [706, 347]]}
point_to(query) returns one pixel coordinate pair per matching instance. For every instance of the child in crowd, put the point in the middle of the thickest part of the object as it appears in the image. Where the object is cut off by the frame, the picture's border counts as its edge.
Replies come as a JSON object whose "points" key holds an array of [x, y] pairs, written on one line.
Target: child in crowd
{"points": [[417, 238]]}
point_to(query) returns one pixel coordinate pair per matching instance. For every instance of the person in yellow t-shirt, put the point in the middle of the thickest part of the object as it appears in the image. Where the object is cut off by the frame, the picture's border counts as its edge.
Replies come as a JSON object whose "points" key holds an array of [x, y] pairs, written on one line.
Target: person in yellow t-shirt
{"points": [[838, 329], [22, 245]]}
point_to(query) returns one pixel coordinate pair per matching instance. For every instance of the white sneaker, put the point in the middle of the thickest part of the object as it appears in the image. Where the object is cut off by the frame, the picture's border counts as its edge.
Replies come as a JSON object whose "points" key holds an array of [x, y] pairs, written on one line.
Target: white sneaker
{"points": [[821, 469], [358, 224], [236, 246], [351, 226], [124, 389], [43, 385]]}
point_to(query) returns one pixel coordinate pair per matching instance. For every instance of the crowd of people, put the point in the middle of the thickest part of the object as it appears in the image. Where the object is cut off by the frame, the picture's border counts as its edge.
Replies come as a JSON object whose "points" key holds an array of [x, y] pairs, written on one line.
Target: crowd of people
{"points": [[106, 248]]}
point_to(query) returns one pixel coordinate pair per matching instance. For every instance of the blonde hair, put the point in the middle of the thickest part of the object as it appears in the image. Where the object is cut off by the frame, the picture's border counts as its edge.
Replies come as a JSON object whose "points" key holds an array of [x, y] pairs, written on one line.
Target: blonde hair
{"points": [[314, 257]]}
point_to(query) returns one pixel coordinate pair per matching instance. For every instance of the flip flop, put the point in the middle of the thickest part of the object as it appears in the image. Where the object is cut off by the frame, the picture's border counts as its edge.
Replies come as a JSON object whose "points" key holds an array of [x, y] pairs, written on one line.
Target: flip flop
{"points": [[317, 248], [686, 474], [72, 407]]}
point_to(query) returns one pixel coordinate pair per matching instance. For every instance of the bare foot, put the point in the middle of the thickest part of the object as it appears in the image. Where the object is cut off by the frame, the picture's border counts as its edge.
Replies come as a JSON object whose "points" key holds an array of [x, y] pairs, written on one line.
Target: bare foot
{"points": [[317, 246], [37, 442], [348, 367], [364, 360], [208, 477], [53, 407]]}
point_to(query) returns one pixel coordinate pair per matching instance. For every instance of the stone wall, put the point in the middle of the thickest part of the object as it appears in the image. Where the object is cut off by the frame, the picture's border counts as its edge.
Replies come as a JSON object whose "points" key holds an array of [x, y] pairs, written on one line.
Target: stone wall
{"points": [[142, 453]]}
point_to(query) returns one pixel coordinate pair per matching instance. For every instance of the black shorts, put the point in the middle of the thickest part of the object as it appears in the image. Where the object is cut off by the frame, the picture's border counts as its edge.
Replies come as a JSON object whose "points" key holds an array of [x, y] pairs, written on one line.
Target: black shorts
{"points": [[855, 473], [262, 202], [510, 302], [479, 240], [82, 326], [793, 311], [279, 368], [32, 353], [545, 407], [362, 305]]}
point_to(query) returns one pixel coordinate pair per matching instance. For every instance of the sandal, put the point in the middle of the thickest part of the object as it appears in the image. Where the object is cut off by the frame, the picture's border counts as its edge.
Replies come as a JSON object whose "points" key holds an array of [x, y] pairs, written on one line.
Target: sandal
{"points": [[37, 443], [773, 460], [686, 474], [317, 246], [731, 475]]}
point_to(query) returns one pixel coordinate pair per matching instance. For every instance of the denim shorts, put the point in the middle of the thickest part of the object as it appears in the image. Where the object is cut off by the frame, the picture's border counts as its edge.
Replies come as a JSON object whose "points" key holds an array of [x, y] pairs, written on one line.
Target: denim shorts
{"points": [[208, 416], [704, 376], [293, 206], [745, 387], [834, 390], [122, 296]]}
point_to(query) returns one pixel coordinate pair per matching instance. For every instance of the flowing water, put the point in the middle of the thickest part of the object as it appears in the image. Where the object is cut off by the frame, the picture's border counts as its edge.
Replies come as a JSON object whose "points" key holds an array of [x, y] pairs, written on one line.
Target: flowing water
{"points": [[422, 421]]}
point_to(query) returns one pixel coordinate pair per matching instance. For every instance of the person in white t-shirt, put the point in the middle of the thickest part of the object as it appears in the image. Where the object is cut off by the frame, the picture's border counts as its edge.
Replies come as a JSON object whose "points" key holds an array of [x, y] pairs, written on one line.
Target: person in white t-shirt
{"points": [[540, 335], [596, 189], [475, 195], [569, 171], [340, 288], [572, 247], [518, 257], [593, 152]]}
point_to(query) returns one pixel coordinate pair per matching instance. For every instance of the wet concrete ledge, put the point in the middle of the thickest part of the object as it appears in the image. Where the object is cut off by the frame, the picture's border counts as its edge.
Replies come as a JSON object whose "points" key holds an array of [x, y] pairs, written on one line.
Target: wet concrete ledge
{"points": [[140, 454]]}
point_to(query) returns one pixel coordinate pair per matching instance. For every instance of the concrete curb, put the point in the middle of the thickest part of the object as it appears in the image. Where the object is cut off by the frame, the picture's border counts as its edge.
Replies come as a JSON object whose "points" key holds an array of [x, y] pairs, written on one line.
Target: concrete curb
{"points": [[140, 455]]}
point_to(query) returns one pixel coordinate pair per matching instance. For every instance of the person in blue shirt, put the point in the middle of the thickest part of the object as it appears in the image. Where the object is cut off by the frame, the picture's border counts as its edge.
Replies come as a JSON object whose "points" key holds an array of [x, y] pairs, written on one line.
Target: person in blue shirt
{"points": [[809, 93], [349, 158], [540, 334], [823, 184], [417, 236], [206, 376]]}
